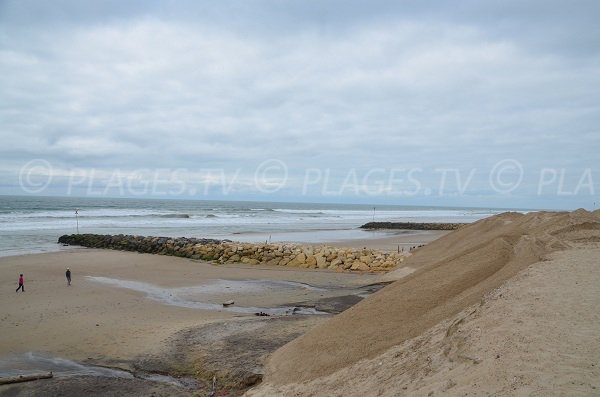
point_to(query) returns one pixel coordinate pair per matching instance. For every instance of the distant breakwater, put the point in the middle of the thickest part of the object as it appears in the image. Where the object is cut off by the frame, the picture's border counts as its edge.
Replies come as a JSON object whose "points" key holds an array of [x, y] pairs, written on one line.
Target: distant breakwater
{"points": [[412, 226], [226, 251]]}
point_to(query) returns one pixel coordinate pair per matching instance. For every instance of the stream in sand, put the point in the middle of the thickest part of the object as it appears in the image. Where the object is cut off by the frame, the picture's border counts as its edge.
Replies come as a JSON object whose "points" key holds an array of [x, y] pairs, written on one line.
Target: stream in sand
{"points": [[211, 295], [34, 363]]}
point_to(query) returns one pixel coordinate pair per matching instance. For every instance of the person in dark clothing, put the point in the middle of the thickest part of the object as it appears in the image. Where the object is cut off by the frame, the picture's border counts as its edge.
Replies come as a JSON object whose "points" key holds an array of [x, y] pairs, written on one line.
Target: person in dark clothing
{"points": [[21, 284], [68, 274]]}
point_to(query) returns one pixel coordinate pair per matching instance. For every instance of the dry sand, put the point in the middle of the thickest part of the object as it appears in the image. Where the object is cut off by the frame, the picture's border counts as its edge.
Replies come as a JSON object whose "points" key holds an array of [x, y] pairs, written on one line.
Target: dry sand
{"points": [[451, 274], [537, 335]]}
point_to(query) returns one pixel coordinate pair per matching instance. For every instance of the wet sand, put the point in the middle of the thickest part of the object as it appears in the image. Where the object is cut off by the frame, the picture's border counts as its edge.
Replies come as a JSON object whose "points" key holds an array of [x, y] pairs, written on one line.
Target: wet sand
{"points": [[91, 318]]}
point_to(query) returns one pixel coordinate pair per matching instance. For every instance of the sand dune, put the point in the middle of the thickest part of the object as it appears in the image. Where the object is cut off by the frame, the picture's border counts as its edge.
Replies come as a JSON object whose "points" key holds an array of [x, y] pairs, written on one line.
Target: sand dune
{"points": [[536, 335], [452, 274]]}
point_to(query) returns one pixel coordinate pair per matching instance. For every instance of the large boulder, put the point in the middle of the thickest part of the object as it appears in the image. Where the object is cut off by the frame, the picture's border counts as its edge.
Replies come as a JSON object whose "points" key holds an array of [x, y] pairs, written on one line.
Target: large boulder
{"points": [[311, 261], [360, 266], [321, 261]]}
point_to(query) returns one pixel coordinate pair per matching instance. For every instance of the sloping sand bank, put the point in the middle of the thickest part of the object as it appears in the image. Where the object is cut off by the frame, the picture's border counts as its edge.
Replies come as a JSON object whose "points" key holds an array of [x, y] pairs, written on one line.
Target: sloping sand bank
{"points": [[451, 274], [537, 335]]}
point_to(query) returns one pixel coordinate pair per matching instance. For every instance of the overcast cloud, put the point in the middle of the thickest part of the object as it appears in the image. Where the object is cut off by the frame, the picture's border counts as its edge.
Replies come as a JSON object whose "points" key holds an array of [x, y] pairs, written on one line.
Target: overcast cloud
{"points": [[316, 88]]}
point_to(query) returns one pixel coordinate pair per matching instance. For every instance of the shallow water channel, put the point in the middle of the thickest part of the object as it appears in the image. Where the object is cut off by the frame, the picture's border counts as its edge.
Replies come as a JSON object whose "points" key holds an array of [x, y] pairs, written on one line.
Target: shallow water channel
{"points": [[208, 295], [34, 363]]}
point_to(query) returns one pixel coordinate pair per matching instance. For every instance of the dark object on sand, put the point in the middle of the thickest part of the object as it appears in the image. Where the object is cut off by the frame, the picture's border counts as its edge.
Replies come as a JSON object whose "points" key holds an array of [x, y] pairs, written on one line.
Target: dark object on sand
{"points": [[262, 314], [25, 378], [228, 303]]}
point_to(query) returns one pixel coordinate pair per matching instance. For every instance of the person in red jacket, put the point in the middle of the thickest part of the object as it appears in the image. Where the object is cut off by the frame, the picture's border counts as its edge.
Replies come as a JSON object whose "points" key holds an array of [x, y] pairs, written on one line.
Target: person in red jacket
{"points": [[21, 284]]}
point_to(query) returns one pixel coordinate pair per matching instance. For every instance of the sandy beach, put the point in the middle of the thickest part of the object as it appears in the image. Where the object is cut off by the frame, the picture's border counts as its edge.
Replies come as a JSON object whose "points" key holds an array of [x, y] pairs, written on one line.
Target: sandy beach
{"points": [[157, 323], [98, 321], [101, 319]]}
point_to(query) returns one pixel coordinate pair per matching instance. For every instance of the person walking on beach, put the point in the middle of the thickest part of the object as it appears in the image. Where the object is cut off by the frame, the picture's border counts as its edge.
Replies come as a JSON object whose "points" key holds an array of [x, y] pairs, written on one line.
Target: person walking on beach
{"points": [[21, 284], [68, 274]]}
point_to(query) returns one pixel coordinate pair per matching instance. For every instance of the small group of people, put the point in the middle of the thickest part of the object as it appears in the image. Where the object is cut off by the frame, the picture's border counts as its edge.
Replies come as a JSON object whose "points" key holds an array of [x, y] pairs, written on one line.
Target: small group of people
{"points": [[22, 280]]}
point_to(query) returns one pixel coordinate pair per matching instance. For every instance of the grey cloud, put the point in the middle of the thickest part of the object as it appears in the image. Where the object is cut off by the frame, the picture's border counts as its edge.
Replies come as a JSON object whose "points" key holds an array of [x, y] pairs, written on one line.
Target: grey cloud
{"points": [[318, 84]]}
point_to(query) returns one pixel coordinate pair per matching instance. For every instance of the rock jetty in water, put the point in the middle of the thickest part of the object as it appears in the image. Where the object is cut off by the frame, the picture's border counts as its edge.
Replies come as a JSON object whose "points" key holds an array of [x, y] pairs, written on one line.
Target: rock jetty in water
{"points": [[226, 251], [412, 226]]}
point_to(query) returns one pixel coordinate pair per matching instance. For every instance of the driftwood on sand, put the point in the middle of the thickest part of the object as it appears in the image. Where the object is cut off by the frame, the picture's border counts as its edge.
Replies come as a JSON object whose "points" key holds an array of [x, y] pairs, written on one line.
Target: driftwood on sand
{"points": [[25, 378]]}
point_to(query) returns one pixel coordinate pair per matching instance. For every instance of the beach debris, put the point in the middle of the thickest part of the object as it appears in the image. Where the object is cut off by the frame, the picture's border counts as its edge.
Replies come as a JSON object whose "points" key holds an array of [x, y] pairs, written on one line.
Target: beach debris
{"points": [[214, 387], [262, 314], [25, 378], [475, 360], [228, 303]]}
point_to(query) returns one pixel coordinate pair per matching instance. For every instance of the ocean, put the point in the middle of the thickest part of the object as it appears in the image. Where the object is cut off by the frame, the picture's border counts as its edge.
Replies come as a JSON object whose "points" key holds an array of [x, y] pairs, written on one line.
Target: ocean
{"points": [[33, 224]]}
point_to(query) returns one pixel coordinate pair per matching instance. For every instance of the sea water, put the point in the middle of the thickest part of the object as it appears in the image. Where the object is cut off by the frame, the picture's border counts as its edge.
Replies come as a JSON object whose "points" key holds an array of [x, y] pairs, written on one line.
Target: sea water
{"points": [[33, 224]]}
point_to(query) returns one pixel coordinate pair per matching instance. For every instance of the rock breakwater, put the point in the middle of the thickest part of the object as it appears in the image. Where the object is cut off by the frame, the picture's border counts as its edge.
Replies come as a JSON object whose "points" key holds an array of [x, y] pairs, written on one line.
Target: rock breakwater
{"points": [[412, 226], [226, 251]]}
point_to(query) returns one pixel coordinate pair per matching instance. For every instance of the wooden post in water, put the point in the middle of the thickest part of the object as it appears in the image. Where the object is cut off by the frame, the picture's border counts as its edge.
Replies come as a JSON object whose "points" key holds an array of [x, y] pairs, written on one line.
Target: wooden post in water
{"points": [[77, 218]]}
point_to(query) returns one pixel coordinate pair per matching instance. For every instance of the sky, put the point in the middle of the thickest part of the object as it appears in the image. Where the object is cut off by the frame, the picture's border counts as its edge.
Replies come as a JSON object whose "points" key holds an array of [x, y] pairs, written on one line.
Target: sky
{"points": [[472, 103]]}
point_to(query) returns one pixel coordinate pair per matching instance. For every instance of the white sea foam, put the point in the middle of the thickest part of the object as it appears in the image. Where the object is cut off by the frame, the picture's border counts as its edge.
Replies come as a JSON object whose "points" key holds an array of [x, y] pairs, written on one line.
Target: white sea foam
{"points": [[33, 224]]}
